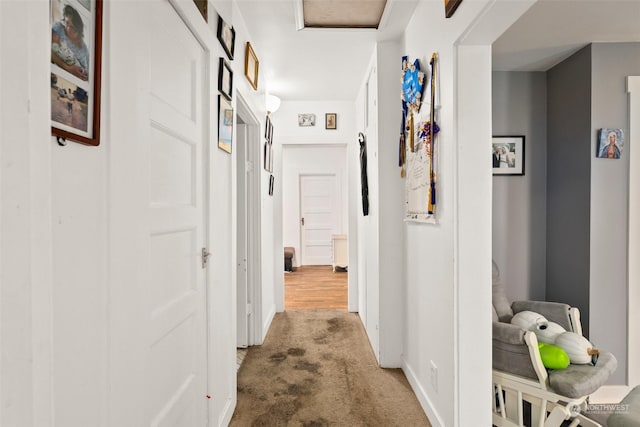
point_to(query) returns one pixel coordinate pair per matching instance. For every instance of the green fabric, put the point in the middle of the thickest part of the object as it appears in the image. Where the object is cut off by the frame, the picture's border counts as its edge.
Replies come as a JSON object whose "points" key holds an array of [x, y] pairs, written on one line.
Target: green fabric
{"points": [[553, 357]]}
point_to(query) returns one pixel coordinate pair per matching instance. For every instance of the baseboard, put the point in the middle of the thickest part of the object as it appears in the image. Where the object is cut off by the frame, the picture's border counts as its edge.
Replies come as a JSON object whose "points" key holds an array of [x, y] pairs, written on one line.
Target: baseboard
{"points": [[267, 322], [424, 400], [609, 394], [227, 413]]}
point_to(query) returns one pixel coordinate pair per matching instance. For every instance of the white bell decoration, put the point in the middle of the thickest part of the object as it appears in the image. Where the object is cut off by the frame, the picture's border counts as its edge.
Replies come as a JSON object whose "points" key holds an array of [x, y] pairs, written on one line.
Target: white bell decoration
{"points": [[528, 320], [547, 332]]}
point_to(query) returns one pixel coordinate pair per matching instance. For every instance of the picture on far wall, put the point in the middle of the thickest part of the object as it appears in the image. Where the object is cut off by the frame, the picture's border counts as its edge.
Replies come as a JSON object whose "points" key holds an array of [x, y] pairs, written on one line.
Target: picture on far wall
{"points": [[331, 121], [306, 119], [508, 155], [610, 143]]}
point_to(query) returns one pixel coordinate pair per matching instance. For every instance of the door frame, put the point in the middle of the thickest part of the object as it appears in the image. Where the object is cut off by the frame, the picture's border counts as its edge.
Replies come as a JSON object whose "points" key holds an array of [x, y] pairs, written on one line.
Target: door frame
{"points": [[254, 221]]}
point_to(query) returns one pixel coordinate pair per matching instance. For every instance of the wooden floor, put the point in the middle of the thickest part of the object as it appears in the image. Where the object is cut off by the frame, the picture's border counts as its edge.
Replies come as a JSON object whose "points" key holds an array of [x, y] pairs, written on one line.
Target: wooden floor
{"points": [[315, 287]]}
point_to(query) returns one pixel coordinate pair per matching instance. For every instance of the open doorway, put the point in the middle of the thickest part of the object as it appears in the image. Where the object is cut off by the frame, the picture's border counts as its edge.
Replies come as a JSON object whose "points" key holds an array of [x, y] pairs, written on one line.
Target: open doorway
{"points": [[248, 273], [315, 227]]}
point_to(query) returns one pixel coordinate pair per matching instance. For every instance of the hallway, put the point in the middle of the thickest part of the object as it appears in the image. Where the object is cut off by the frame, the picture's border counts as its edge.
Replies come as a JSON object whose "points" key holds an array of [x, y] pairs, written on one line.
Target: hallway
{"points": [[316, 368], [315, 287]]}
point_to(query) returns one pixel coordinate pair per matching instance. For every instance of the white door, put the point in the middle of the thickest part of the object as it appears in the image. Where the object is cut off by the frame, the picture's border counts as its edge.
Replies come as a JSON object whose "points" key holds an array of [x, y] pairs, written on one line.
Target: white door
{"points": [[176, 310], [243, 313], [319, 202]]}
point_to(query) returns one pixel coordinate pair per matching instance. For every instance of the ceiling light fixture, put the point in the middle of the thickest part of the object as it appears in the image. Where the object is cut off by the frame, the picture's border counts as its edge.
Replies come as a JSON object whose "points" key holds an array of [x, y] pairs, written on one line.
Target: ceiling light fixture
{"points": [[272, 103]]}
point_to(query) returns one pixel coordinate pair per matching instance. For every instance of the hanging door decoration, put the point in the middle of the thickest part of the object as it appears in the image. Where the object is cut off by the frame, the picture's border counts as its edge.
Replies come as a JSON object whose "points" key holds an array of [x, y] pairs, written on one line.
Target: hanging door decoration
{"points": [[417, 146]]}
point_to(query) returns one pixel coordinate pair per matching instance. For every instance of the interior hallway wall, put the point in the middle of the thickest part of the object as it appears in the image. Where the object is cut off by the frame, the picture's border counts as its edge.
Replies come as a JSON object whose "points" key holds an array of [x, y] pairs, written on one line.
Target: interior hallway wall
{"points": [[611, 64], [57, 288], [520, 202], [446, 286]]}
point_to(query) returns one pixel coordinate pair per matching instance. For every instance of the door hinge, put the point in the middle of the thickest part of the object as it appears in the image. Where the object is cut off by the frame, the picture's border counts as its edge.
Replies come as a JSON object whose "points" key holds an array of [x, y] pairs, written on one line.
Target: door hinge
{"points": [[205, 257]]}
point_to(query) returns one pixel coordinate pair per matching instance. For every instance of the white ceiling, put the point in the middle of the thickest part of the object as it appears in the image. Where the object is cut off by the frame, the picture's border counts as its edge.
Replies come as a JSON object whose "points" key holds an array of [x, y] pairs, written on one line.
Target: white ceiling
{"points": [[551, 30], [329, 64], [315, 64]]}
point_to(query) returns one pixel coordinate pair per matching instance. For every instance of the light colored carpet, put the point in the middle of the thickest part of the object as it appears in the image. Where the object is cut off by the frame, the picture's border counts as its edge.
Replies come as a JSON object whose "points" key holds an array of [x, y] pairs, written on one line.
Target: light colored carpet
{"points": [[316, 369]]}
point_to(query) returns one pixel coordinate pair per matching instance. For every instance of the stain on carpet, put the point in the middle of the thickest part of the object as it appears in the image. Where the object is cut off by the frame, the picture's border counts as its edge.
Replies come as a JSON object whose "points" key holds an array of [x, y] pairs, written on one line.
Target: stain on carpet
{"points": [[316, 369], [321, 422], [277, 357], [296, 351], [305, 365]]}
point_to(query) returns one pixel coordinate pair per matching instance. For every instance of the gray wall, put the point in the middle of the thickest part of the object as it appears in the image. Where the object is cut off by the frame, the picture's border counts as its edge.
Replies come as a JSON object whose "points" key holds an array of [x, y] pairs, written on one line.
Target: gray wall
{"points": [[611, 64], [569, 181], [519, 202]]}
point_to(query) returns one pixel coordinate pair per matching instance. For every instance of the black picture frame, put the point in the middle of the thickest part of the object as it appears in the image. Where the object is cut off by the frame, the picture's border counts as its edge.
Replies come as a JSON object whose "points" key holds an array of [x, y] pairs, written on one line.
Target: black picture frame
{"points": [[508, 155], [226, 36], [225, 79], [271, 184], [76, 79]]}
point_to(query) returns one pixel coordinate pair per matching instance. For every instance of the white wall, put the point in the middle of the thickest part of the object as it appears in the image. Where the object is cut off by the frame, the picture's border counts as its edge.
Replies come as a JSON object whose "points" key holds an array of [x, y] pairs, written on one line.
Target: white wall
{"points": [[271, 277], [67, 356], [25, 217], [300, 160], [520, 202], [446, 289]]}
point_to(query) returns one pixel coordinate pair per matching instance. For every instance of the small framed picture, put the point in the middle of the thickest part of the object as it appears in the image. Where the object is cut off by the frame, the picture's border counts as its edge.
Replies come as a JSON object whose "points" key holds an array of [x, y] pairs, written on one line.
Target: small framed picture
{"points": [[271, 183], [225, 79], [226, 37], [267, 127], [306, 119], [331, 121], [508, 155], [251, 66], [268, 157], [611, 143], [225, 124]]}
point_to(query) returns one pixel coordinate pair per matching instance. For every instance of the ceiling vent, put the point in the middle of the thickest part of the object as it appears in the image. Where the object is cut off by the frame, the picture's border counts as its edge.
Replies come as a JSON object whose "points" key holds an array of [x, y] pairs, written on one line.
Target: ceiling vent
{"points": [[339, 13]]}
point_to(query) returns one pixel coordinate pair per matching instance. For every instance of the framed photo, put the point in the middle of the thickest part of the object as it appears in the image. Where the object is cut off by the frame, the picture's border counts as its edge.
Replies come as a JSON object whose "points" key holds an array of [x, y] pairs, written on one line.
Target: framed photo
{"points": [[76, 58], [202, 7], [267, 127], [331, 121], [226, 37], [306, 119], [225, 79], [450, 7], [270, 132], [271, 183], [268, 157], [610, 143], [225, 124], [251, 66], [508, 155]]}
